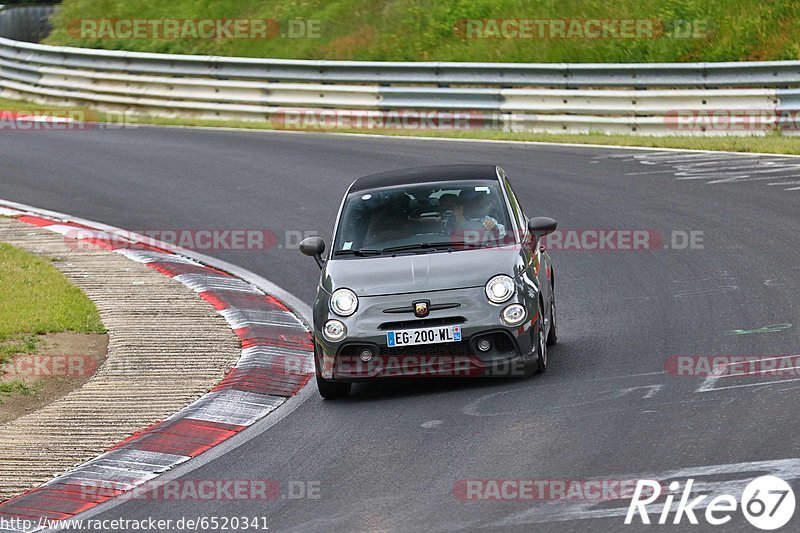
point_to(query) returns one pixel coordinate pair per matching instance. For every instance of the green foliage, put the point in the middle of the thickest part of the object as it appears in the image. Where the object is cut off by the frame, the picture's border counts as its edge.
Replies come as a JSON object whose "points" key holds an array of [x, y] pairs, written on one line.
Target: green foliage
{"points": [[14, 386], [433, 30]]}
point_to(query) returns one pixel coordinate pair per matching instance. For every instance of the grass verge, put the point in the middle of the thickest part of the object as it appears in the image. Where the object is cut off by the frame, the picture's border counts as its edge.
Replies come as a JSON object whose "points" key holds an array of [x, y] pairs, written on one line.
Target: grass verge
{"points": [[35, 298]]}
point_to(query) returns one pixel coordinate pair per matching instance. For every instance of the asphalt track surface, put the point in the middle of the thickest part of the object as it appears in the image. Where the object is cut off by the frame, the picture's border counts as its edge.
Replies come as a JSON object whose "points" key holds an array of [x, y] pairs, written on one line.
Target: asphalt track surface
{"points": [[388, 458]]}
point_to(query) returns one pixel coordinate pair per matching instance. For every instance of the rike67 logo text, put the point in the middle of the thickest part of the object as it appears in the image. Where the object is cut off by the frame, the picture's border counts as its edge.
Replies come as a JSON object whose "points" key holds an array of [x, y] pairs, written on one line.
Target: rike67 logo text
{"points": [[767, 502]]}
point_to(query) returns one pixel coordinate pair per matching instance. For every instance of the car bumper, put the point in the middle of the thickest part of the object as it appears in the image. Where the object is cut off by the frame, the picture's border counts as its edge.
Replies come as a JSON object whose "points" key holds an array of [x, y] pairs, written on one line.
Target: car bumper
{"points": [[511, 346]]}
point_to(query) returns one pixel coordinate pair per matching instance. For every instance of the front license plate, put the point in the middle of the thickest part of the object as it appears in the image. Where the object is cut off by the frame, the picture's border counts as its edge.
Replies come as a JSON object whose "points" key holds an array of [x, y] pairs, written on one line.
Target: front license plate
{"points": [[411, 337]]}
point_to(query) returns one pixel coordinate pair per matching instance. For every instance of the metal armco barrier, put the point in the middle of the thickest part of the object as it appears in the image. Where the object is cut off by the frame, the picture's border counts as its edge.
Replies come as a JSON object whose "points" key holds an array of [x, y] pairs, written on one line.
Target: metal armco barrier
{"points": [[25, 23], [752, 98]]}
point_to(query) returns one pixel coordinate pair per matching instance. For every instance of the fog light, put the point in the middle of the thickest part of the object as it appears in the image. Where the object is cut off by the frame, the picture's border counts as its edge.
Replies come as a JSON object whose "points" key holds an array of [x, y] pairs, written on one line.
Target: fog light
{"points": [[513, 315], [334, 331], [484, 345], [366, 354]]}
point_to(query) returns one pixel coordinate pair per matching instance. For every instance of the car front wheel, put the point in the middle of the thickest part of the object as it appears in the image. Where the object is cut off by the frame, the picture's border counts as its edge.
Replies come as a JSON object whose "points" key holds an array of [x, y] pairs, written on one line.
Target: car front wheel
{"points": [[539, 345], [552, 335], [332, 390]]}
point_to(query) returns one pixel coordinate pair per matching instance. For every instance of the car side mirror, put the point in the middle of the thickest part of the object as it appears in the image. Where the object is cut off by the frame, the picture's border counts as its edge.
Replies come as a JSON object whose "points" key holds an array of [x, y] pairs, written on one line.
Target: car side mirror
{"points": [[313, 246], [541, 226]]}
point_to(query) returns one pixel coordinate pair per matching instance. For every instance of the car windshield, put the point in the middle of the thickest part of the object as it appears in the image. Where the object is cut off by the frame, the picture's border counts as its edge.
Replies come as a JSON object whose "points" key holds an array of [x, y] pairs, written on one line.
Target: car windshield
{"points": [[423, 218]]}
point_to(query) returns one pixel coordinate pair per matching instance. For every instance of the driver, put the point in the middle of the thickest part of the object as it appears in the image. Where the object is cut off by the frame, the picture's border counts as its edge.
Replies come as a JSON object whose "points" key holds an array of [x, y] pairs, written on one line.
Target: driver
{"points": [[476, 204]]}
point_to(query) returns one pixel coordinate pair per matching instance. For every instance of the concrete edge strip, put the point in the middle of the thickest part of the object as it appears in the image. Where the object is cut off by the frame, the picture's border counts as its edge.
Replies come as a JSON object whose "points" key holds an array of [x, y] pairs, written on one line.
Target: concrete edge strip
{"points": [[275, 364]]}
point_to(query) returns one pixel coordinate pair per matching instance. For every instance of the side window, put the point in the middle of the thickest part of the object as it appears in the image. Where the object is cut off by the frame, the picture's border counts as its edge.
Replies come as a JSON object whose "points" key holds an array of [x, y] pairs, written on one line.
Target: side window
{"points": [[522, 220]]}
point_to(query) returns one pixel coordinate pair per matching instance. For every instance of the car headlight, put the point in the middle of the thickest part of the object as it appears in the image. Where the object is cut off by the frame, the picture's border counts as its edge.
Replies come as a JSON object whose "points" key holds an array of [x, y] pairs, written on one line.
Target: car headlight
{"points": [[499, 289], [344, 302], [513, 315], [334, 330]]}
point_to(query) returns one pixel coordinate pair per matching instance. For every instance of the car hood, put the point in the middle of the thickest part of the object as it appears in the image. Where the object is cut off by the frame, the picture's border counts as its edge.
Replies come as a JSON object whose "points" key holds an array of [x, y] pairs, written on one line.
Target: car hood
{"points": [[377, 276]]}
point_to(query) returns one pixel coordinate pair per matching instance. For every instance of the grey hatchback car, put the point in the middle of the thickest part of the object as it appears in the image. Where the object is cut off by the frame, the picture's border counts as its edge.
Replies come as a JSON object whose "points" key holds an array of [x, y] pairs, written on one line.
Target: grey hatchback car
{"points": [[433, 271]]}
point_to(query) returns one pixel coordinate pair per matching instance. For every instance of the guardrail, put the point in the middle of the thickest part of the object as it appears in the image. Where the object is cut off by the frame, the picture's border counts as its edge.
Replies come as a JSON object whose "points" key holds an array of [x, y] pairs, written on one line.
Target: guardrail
{"points": [[25, 22], [655, 99]]}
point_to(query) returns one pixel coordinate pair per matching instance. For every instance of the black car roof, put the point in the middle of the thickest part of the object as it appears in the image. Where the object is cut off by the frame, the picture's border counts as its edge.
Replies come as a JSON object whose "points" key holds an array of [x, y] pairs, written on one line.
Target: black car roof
{"points": [[425, 175]]}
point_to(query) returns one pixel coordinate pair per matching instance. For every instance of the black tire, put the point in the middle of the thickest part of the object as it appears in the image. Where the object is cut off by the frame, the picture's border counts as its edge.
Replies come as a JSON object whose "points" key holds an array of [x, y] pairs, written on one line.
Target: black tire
{"points": [[541, 344], [552, 335], [531, 369], [540, 348], [333, 390]]}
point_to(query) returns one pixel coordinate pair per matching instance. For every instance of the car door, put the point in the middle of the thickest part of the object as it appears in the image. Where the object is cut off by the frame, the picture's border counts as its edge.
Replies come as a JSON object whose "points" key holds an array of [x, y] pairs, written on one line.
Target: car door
{"points": [[531, 252]]}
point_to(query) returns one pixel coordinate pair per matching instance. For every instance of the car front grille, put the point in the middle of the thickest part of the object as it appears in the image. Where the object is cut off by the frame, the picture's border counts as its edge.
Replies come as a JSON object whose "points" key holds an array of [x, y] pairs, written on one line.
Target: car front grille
{"points": [[501, 342], [422, 323], [444, 349]]}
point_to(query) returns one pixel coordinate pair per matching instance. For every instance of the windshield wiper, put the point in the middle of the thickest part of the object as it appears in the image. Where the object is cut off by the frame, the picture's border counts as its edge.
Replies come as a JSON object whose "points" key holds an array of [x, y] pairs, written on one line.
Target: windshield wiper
{"points": [[423, 246], [361, 253]]}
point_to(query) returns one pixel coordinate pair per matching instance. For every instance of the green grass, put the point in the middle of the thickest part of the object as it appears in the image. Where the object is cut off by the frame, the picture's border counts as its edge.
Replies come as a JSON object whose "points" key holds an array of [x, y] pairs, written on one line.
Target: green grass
{"points": [[35, 299], [16, 386], [16, 105], [433, 30]]}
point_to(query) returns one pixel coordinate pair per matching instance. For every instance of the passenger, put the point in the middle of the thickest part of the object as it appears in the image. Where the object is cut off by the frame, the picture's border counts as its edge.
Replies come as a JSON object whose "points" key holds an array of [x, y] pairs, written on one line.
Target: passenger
{"points": [[389, 222]]}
